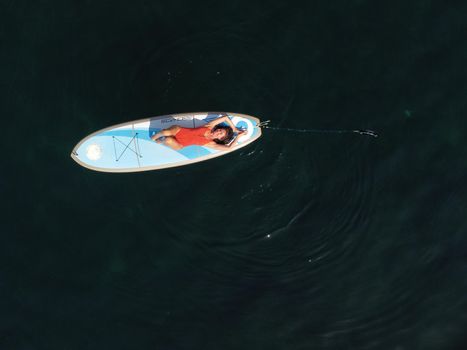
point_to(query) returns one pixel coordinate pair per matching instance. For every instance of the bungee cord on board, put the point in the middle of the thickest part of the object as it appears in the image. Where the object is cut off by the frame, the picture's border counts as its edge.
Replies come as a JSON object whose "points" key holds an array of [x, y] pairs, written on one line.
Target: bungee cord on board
{"points": [[265, 125]]}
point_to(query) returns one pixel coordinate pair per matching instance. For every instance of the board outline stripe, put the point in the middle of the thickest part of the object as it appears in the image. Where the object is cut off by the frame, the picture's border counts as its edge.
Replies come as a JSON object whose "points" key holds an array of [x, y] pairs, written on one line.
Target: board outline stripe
{"points": [[74, 155]]}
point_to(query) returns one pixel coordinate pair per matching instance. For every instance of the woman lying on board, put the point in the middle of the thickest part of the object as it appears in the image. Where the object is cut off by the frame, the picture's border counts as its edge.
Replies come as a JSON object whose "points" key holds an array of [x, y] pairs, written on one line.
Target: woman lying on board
{"points": [[212, 135]]}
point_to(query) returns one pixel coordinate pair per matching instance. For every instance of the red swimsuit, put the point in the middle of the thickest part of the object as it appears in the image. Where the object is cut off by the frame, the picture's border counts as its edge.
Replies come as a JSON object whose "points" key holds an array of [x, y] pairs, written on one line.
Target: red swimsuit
{"points": [[192, 136]]}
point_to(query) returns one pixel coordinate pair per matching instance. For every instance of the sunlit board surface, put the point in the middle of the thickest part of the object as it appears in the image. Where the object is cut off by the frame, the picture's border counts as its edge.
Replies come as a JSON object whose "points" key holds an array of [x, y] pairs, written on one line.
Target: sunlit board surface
{"points": [[128, 147]]}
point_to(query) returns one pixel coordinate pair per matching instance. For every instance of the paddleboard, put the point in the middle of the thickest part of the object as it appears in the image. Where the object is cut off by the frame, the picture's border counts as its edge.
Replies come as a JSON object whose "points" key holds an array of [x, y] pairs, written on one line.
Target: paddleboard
{"points": [[128, 147]]}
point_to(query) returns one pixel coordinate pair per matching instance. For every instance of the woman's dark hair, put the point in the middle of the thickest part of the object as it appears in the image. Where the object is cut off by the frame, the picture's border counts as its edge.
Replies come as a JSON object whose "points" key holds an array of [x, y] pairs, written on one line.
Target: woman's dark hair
{"points": [[228, 136]]}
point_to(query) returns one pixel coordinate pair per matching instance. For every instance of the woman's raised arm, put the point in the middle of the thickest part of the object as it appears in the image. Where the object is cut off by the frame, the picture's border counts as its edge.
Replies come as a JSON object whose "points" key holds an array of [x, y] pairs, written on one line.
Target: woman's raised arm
{"points": [[220, 120]]}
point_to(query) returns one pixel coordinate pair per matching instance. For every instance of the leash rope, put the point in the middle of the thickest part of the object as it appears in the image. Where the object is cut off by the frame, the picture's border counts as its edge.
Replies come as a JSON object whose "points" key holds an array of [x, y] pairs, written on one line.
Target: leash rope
{"points": [[265, 125]]}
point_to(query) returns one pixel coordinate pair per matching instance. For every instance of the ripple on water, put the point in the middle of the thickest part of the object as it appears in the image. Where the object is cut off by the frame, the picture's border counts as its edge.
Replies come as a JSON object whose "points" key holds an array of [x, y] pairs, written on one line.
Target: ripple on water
{"points": [[285, 217], [281, 221]]}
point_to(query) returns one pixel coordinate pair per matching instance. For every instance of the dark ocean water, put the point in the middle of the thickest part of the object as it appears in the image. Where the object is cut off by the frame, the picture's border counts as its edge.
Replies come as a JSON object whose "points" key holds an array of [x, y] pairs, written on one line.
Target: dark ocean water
{"points": [[299, 241]]}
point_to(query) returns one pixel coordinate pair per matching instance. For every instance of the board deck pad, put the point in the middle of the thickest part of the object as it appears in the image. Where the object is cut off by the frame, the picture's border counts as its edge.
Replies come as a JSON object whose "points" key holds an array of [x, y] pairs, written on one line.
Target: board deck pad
{"points": [[128, 147]]}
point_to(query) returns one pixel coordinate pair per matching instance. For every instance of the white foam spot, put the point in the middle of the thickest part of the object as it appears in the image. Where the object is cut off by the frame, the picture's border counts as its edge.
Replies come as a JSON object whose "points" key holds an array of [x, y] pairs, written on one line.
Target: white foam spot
{"points": [[94, 152]]}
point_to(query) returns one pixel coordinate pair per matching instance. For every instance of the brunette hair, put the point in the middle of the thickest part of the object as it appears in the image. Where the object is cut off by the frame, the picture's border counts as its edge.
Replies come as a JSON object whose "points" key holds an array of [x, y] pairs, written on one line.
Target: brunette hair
{"points": [[228, 136]]}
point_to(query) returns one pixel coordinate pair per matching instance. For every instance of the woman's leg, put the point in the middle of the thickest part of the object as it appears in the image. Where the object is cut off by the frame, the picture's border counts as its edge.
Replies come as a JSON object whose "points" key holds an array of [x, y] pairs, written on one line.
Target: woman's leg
{"points": [[172, 131], [172, 142]]}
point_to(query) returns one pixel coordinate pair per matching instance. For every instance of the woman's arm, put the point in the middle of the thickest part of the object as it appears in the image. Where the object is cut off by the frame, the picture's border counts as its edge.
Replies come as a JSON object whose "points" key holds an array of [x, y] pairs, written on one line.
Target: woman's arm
{"points": [[220, 120], [217, 146]]}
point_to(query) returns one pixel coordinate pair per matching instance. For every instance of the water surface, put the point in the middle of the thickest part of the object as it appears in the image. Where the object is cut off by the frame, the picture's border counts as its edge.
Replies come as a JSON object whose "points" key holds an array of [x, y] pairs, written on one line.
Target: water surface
{"points": [[299, 241]]}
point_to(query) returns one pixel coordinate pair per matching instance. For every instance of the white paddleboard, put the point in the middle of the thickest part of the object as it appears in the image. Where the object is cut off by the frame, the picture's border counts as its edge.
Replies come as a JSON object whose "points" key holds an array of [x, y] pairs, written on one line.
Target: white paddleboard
{"points": [[128, 147]]}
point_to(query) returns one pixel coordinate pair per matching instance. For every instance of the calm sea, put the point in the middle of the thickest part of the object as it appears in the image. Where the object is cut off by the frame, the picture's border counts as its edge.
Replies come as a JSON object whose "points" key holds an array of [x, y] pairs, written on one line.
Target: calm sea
{"points": [[298, 241]]}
